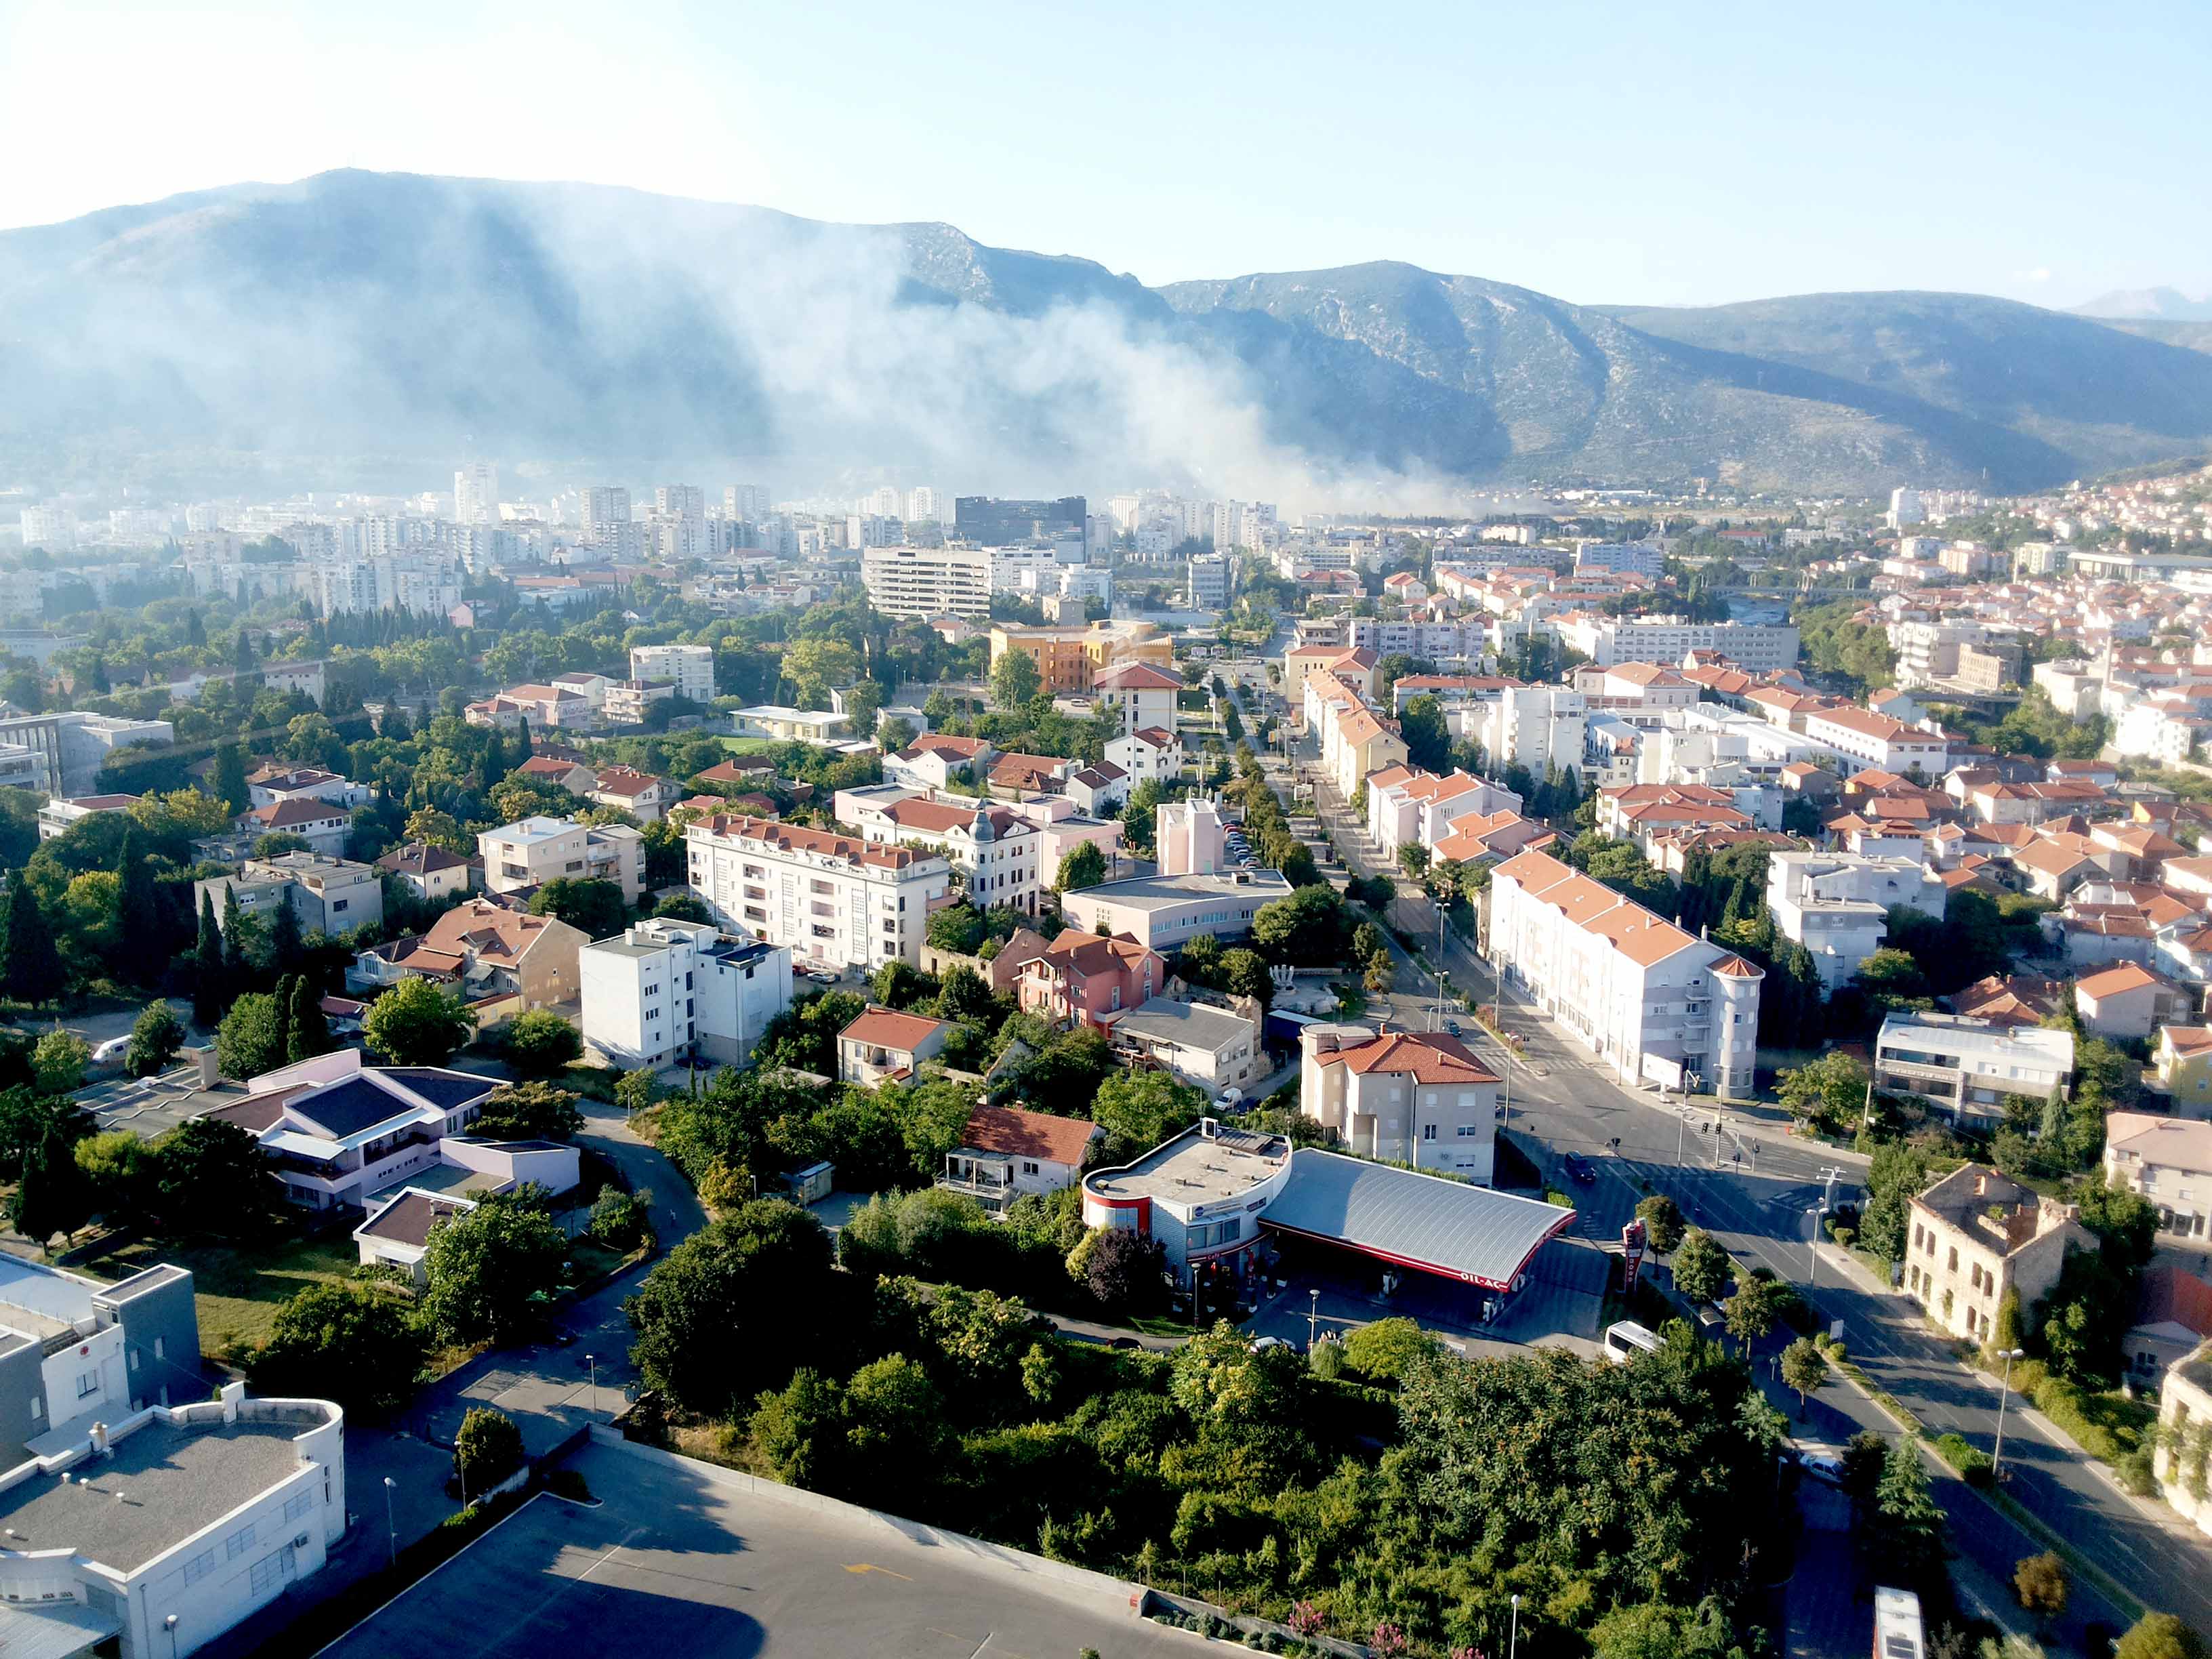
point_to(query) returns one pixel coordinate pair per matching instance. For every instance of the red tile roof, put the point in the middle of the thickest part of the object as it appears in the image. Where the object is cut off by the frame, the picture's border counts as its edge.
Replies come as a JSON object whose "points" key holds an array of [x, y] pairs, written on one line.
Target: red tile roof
{"points": [[1012, 1132]]}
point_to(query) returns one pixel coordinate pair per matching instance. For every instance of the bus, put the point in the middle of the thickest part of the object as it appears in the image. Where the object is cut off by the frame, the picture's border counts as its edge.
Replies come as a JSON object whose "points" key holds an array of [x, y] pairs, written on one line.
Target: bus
{"points": [[1627, 1339], [1896, 1624]]}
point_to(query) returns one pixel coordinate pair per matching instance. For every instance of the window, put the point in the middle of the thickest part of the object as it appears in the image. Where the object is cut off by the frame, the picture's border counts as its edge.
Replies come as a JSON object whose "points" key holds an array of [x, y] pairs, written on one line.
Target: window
{"points": [[1428, 1132], [159, 1344], [268, 1572], [1467, 1130], [340, 904], [38, 1408], [238, 1542], [298, 1504], [134, 1359], [198, 1567], [87, 1382], [1029, 1166]]}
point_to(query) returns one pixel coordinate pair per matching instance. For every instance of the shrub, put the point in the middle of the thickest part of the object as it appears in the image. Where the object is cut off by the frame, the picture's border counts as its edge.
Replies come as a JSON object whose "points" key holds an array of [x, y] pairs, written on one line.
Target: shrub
{"points": [[487, 1448], [1972, 1462], [618, 1220]]}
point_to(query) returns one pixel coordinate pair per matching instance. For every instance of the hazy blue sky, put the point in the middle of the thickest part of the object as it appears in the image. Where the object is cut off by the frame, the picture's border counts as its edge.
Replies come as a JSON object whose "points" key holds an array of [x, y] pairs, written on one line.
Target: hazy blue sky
{"points": [[1674, 154]]}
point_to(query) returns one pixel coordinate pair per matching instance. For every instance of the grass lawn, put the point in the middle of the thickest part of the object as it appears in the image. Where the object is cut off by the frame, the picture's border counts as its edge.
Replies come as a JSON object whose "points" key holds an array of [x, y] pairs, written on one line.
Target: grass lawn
{"points": [[749, 745], [237, 1289]]}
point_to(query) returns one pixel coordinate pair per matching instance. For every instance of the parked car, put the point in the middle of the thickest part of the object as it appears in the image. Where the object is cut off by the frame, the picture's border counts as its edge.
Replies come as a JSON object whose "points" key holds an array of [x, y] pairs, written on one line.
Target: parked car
{"points": [[1579, 1167], [1452, 1026], [112, 1050]]}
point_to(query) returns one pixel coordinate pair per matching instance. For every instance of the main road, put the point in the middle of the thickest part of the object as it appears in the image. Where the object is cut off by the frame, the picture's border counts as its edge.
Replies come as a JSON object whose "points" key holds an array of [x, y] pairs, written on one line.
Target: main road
{"points": [[1738, 1172]]}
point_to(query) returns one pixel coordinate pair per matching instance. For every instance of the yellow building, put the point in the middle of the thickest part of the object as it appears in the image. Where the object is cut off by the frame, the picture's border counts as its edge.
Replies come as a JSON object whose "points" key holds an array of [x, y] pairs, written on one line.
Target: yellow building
{"points": [[1070, 659], [2184, 1059]]}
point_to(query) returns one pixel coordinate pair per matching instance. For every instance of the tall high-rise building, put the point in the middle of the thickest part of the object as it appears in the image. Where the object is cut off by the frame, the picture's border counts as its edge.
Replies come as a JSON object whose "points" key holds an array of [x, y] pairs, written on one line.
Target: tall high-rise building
{"points": [[883, 503], [476, 494], [680, 502], [746, 501], [923, 505], [989, 522], [605, 511]]}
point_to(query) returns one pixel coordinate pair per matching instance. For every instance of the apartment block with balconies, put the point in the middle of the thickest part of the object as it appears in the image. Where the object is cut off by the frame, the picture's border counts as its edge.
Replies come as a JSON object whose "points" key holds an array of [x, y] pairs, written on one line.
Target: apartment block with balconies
{"points": [[537, 850]]}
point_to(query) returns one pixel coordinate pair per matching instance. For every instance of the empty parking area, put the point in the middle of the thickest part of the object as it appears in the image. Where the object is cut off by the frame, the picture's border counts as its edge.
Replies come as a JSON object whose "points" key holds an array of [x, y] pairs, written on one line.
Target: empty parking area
{"points": [[696, 1568]]}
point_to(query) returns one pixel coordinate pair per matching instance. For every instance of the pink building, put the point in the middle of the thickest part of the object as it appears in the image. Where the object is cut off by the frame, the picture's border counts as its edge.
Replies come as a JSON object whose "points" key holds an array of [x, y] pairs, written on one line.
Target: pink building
{"points": [[1083, 977]]}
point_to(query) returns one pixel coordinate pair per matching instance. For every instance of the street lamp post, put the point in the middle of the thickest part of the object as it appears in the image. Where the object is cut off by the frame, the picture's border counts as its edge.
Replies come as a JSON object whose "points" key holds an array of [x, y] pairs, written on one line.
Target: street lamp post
{"points": [[391, 1526], [593, 1361], [1513, 1645], [1313, 1320], [1813, 1246], [170, 1625], [2004, 1393]]}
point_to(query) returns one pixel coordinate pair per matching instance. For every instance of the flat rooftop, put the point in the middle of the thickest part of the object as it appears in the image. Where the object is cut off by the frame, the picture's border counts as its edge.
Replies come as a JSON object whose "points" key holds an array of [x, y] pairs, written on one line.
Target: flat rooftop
{"points": [[173, 1480], [1158, 893], [1193, 1024], [1197, 1169], [42, 1299], [699, 1566]]}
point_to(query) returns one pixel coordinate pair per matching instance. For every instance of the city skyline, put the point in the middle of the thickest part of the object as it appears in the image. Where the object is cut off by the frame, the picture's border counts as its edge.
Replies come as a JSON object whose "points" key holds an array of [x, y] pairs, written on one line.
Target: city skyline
{"points": [[1603, 162]]}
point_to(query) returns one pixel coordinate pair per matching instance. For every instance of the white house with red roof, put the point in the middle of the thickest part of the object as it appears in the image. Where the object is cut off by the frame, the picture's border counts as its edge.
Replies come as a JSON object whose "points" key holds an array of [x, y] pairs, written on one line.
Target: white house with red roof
{"points": [[996, 850], [644, 797], [1413, 1097], [1006, 1153], [1152, 752], [320, 825], [836, 900], [1134, 694], [884, 1045], [1405, 805], [1651, 1003], [931, 761]]}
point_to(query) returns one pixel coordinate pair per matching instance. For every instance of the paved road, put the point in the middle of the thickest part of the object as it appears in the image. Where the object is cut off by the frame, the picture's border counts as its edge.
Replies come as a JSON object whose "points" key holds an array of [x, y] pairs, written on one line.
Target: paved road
{"points": [[698, 1567]]}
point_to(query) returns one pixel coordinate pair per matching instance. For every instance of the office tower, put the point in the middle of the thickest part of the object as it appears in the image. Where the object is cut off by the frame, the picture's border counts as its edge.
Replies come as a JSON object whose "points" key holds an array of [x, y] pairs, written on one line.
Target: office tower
{"points": [[605, 512], [989, 522], [476, 494]]}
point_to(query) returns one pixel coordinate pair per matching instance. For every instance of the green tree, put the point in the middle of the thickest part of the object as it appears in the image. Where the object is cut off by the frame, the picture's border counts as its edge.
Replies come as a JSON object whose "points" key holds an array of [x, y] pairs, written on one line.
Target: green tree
{"points": [[308, 1033], [1082, 865], [595, 908], [1830, 1092], [1244, 974], [51, 1194], [633, 1089], [210, 983], [800, 1433], [618, 1220], [1893, 980], [1139, 1109], [2041, 1583], [1309, 928], [1753, 1311], [487, 1448], [1702, 1267], [1662, 1223], [1014, 680], [250, 1041], [122, 1170], [529, 1111], [230, 778], [138, 914], [1804, 1368], [2160, 1636], [1413, 860], [1898, 1173], [1428, 738], [895, 1427], [30, 966], [156, 1036], [414, 1023], [900, 984], [487, 1268], [1906, 1529], [286, 948], [1381, 974], [356, 1344], [540, 1043], [720, 1317], [1385, 1350], [214, 1180], [58, 1060]]}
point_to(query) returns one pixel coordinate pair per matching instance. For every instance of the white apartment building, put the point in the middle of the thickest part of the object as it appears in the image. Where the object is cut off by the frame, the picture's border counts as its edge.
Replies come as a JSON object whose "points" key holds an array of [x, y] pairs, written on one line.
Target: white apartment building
{"points": [[1407, 806], [2169, 1161], [1418, 1099], [689, 668], [476, 494], [1538, 727], [540, 849], [1654, 1004], [1136, 696], [1756, 648], [1637, 558], [70, 745], [831, 900], [1837, 904], [1149, 752], [1969, 1069], [1434, 642], [159, 1530], [929, 581], [1877, 740], [423, 582], [996, 851], [664, 989]]}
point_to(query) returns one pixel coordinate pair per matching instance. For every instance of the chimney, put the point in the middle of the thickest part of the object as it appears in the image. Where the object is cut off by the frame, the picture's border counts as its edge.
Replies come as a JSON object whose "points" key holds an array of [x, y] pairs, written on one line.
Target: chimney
{"points": [[1981, 1186], [99, 1438], [232, 1394]]}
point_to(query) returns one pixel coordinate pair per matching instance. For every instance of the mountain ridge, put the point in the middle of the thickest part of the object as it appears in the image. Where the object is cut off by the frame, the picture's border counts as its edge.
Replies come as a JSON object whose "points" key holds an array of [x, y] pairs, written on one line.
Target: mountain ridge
{"points": [[351, 314]]}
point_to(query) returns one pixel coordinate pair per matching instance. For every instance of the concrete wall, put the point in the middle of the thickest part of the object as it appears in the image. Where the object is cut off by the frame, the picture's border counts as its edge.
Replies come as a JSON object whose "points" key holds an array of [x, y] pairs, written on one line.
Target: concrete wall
{"points": [[161, 1337]]}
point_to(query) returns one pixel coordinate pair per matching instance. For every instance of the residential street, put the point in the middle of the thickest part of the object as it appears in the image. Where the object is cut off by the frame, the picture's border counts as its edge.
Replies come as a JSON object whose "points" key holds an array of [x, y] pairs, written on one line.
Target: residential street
{"points": [[1759, 1202]]}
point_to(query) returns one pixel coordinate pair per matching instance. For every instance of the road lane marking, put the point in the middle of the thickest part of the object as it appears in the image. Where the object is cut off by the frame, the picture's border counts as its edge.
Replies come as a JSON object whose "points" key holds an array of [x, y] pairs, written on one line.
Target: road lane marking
{"points": [[869, 1566]]}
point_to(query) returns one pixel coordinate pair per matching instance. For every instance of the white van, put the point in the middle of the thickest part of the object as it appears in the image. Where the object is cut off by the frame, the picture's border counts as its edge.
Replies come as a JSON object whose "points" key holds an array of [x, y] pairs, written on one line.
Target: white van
{"points": [[1627, 1339]]}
